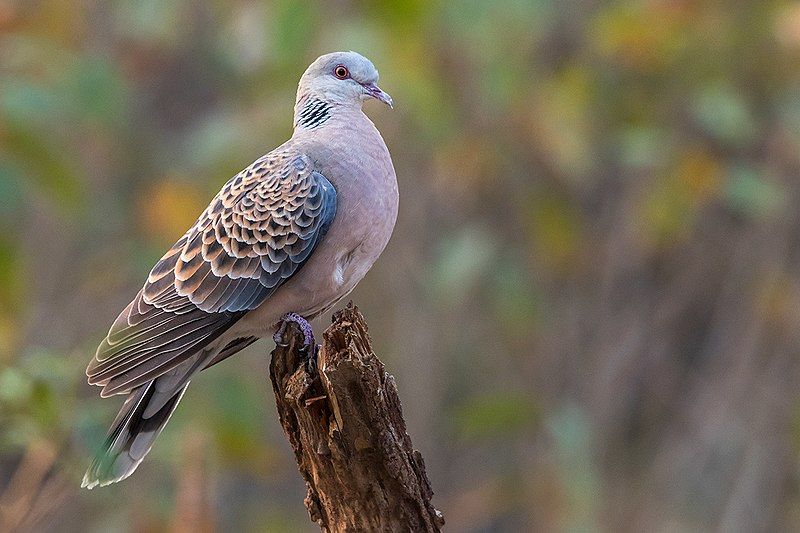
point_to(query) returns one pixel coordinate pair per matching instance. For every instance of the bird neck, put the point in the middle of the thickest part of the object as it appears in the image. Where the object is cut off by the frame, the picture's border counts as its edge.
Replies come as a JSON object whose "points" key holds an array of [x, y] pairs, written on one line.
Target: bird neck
{"points": [[312, 111]]}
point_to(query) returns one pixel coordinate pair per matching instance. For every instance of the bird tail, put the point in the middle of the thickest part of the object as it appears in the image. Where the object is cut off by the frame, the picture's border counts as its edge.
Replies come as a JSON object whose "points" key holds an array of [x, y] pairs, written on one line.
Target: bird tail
{"points": [[131, 435]]}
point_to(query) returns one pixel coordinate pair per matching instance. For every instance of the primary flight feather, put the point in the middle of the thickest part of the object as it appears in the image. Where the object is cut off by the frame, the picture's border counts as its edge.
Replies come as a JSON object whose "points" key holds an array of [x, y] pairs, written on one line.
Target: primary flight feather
{"points": [[290, 235]]}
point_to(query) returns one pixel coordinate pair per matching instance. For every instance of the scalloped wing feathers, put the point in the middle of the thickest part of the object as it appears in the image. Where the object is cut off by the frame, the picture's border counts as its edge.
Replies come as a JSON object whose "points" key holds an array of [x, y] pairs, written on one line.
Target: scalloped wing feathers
{"points": [[256, 233]]}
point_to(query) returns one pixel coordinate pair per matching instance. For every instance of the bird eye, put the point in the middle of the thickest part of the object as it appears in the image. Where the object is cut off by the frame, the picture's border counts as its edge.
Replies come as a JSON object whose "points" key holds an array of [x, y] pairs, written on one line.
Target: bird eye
{"points": [[341, 72]]}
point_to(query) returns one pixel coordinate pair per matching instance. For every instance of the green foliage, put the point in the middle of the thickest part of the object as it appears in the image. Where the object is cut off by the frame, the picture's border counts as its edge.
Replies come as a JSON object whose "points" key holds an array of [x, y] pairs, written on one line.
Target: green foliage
{"points": [[495, 416], [754, 194]]}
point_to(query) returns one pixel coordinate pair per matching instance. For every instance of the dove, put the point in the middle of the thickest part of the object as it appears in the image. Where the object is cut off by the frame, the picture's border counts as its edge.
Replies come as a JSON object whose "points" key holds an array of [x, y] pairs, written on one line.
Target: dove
{"points": [[284, 240]]}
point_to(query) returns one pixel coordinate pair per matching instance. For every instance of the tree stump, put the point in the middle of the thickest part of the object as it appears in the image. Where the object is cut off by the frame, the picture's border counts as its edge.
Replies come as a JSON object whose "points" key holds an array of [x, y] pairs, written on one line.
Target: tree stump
{"points": [[343, 419]]}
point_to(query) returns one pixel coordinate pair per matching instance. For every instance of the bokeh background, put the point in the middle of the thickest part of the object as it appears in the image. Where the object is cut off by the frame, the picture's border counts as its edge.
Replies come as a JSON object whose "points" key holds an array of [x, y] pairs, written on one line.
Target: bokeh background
{"points": [[591, 302]]}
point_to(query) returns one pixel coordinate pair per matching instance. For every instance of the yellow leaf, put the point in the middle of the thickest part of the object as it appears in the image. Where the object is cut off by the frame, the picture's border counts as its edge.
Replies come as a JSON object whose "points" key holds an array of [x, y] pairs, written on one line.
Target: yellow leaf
{"points": [[169, 207]]}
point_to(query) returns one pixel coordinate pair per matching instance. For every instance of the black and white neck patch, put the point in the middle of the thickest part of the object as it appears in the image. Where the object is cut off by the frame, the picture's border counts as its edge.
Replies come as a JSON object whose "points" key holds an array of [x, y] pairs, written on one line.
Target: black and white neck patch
{"points": [[314, 113]]}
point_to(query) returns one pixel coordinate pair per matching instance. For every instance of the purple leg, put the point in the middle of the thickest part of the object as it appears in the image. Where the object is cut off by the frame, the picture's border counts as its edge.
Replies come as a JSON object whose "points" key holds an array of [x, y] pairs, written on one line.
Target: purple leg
{"points": [[305, 327]]}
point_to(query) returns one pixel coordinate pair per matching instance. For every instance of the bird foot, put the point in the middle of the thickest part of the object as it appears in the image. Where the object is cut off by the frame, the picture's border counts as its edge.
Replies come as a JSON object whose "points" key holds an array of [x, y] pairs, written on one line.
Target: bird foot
{"points": [[309, 348], [305, 327], [311, 360]]}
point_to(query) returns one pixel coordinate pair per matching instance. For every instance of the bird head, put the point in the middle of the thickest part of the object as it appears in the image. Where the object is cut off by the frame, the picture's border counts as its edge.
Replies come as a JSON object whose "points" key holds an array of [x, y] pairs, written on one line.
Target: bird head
{"points": [[345, 78]]}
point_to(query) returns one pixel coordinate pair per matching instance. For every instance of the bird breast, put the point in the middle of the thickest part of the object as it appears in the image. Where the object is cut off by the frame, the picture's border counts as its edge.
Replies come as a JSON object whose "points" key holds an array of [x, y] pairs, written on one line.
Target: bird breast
{"points": [[354, 158]]}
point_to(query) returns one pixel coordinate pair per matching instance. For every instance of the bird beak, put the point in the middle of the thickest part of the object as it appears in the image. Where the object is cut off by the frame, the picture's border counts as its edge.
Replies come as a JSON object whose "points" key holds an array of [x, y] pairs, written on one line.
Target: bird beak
{"points": [[376, 92]]}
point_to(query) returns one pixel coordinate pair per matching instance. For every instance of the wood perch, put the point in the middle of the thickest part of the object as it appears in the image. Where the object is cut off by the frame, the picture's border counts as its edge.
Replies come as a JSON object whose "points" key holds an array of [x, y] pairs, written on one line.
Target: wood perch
{"points": [[344, 421]]}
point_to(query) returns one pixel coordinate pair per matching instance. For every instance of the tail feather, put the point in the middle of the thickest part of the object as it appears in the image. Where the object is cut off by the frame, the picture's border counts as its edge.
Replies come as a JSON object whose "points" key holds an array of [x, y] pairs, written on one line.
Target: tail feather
{"points": [[131, 435]]}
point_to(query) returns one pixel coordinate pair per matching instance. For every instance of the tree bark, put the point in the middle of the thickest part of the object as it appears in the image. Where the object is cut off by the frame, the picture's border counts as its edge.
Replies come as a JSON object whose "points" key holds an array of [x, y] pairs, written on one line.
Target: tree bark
{"points": [[343, 419]]}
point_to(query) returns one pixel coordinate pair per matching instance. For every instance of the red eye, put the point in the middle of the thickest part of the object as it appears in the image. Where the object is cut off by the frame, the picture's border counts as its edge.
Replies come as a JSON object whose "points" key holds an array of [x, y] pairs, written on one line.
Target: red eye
{"points": [[341, 72]]}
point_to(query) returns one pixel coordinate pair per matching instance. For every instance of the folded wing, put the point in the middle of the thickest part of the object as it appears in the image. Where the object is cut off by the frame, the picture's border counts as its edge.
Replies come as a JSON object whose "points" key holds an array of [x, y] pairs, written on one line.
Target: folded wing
{"points": [[258, 231]]}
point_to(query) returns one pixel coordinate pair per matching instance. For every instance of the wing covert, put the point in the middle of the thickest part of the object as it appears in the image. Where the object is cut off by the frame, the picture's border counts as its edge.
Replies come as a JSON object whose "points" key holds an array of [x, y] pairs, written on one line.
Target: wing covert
{"points": [[257, 232]]}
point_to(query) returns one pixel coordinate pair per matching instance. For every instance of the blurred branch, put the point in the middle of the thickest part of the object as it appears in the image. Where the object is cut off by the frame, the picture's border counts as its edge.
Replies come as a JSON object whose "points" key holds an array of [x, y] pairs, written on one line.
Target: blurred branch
{"points": [[193, 509], [345, 424], [29, 481]]}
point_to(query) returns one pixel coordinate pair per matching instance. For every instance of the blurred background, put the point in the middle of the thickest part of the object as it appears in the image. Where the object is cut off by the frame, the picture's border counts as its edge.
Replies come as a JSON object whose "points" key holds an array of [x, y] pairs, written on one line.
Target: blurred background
{"points": [[591, 302]]}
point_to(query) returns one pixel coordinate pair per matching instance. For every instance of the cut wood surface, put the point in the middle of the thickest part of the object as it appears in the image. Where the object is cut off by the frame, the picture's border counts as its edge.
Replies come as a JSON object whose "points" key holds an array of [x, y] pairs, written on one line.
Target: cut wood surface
{"points": [[343, 418]]}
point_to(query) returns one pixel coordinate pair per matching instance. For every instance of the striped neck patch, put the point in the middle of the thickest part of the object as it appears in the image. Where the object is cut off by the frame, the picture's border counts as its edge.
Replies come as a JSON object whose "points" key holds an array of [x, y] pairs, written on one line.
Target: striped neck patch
{"points": [[313, 113]]}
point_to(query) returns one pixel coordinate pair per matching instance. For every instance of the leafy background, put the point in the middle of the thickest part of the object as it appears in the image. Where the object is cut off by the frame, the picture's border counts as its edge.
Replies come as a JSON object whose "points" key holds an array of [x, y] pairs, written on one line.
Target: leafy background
{"points": [[591, 302]]}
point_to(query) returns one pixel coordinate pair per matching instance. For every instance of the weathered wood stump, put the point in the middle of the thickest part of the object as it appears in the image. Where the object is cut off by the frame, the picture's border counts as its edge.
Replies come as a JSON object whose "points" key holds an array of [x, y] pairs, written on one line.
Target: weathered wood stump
{"points": [[344, 421]]}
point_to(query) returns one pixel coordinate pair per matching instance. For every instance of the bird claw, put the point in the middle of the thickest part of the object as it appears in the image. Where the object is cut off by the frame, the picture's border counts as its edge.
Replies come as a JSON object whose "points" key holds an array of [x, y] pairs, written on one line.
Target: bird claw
{"points": [[310, 349], [311, 358], [278, 335], [305, 328]]}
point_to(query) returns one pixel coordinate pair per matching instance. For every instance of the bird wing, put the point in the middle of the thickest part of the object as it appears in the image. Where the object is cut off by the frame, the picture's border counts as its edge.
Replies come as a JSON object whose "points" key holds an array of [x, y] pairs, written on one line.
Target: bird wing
{"points": [[256, 233]]}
